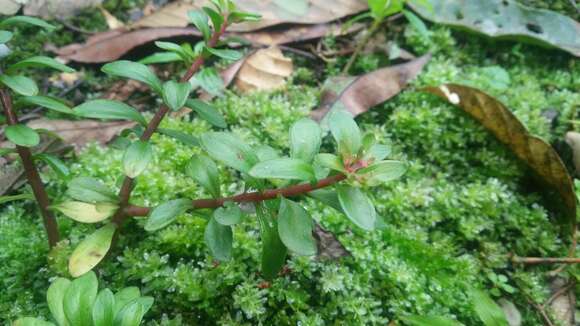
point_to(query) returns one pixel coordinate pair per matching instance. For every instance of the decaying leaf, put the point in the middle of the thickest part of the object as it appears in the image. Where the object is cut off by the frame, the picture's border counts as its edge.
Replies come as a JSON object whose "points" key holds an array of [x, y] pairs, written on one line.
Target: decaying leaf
{"points": [[297, 33], [267, 69], [573, 139], [10, 7], [358, 94], [504, 125], [57, 8], [506, 19], [329, 248], [111, 20], [563, 301]]}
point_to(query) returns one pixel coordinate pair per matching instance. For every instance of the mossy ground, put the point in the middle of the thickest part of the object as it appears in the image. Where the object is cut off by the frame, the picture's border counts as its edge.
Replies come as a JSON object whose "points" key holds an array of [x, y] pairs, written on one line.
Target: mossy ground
{"points": [[451, 221]]}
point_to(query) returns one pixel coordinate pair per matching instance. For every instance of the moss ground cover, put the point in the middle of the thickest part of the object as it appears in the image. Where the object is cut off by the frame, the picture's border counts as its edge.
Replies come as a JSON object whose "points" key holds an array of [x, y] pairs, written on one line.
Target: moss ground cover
{"points": [[448, 225]]}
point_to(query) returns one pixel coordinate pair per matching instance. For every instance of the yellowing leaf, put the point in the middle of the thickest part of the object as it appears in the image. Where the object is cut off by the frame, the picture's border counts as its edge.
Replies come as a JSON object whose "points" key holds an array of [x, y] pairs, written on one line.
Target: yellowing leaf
{"points": [[85, 212], [91, 250]]}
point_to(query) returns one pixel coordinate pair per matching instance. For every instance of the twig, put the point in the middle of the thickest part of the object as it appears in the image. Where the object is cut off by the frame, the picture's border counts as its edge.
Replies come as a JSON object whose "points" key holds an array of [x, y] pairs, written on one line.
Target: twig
{"points": [[374, 27], [32, 175], [558, 293], [571, 251], [545, 260]]}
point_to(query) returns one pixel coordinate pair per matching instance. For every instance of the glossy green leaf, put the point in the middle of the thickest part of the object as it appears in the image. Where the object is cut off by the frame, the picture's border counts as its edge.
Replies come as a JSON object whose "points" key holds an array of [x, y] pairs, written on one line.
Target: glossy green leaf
{"points": [[328, 197], [230, 150], [488, 311], [31, 321], [230, 214], [273, 250], [283, 168], [41, 61], [133, 312], [429, 321], [22, 135], [379, 152], [305, 139], [55, 298], [216, 19], [91, 251], [133, 70], [231, 55], [330, 161], [109, 109], [6, 199], [200, 20], [90, 190], [14, 20], [161, 57], [136, 158], [5, 36], [181, 136], [104, 309], [357, 206], [175, 94], [295, 227], [345, 132], [79, 299], [20, 84], [50, 103], [166, 213], [209, 80], [55, 164], [85, 212], [417, 23], [204, 171], [181, 52], [381, 172], [124, 296], [239, 17], [218, 238], [207, 112]]}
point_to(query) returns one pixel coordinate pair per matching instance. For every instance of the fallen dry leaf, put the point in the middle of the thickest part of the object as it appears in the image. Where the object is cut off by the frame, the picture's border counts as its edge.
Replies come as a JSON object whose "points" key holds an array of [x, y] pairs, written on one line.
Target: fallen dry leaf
{"points": [[111, 20], [506, 127], [563, 301], [573, 139], [329, 248], [123, 89], [297, 33], [57, 8], [358, 94], [267, 69], [10, 7]]}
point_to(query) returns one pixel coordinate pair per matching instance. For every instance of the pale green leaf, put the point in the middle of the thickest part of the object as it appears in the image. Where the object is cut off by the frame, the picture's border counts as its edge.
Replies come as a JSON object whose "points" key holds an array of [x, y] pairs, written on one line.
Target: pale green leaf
{"points": [[20, 84], [22, 135], [305, 139], [85, 212], [357, 207], [133, 70], [382, 172], [136, 158], [230, 214], [50, 103], [110, 110], [104, 309], [175, 94], [345, 132], [90, 190], [295, 228], [166, 213], [218, 238], [207, 112], [91, 251]]}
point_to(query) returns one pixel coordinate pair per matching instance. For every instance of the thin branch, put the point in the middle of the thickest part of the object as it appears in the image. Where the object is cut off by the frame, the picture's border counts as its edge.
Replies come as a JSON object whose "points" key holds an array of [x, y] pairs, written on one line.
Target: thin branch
{"points": [[544, 260], [249, 197], [374, 27], [32, 175]]}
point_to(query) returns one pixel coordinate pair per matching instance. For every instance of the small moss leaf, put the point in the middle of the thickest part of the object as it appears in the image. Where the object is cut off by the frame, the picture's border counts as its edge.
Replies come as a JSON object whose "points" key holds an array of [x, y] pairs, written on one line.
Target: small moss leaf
{"points": [[345, 132], [381, 172], [22, 135], [110, 110], [137, 158], [164, 214], [55, 297], [104, 308], [48, 103], [218, 238], [79, 299], [207, 112], [91, 251], [31, 321], [134, 70], [230, 150], [273, 250], [357, 207], [204, 171], [295, 228], [41, 61], [488, 311], [283, 168], [90, 190], [429, 321], [20, 84], [85, 212], [175, 94], [305, 139], [230, 214], [133, 312]]}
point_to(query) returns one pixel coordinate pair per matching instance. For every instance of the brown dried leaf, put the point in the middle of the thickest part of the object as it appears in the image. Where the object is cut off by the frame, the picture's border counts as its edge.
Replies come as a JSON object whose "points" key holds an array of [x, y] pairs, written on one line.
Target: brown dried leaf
{"points": [[267, 69], [573, 139], [358, 94], [329, 248], [297, 33], [563, 301], [57, 8], [505, 126]]}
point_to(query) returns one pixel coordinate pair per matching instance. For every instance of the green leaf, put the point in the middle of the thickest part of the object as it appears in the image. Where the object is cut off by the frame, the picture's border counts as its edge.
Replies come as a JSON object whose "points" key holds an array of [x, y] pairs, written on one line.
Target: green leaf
{"points": [[4, 151], [22, 135], [295, 228], [133, 312], [204, 171], [487, 310], [216, 19], [239, 17], [6, 199], [230, 214], [345, 132], [5, 36], [209, 80], [104, 308], [230, 150], [137, 158], [218, 238], [79, 298], [25, 20], [379, 152], [207, 112], [305, 139], [273, 250], [31, 321], [55, 164], [20, 84], [181, 136], [417, 23], [429, 321], [330, 161], [381, 172], [283, 168], [357, 206], [85, 212], [226, 54], [91, 251], [265, 153], [175, 94], [182, 52], [161, 57], [166, 213], [109, 109], [50, 103], [41, 61], [55, 298], [133, 70], [328, 197], [199, 19], [123, 297], [90, 190]]}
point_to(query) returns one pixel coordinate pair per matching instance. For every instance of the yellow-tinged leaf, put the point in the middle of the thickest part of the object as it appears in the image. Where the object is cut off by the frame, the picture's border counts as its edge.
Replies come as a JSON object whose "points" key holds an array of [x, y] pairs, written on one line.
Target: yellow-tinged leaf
{"points": [[85, 212], [91, 250]]}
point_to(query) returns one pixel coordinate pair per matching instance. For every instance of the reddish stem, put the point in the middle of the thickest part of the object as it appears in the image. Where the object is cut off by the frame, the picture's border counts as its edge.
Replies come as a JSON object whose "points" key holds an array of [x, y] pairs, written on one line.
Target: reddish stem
{"points": [[249, 197], [31, 172]]}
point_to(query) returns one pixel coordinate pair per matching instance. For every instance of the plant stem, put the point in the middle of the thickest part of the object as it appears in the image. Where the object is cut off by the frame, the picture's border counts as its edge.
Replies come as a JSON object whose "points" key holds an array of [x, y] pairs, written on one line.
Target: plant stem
{"points": [[249, 197], [127, 186], [31, 171], [547, 260], [374, 27]]}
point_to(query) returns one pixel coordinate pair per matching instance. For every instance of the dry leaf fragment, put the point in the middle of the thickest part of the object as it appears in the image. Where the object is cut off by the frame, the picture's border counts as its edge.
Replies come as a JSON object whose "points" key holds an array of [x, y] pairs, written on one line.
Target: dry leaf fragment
{"points": [[329, 248], [505, 126], [358, 94], [573, 139], [57, 8], [563, 301], [111, 20], [267, 69]]}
